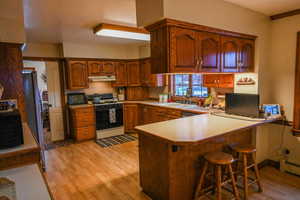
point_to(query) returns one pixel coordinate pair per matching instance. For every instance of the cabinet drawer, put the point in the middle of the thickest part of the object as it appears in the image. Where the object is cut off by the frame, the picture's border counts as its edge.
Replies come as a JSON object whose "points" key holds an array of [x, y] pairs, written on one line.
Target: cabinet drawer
{"points": [[175, 113], [84, 120], [85, 133]]}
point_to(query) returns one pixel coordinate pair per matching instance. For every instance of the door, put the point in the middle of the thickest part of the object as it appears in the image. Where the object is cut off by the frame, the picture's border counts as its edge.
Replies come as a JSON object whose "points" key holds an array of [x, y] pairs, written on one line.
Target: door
{"points": [[108, 68], [54, 100], [95, 68], [121, 75], [246, 56], [77, 75], [209, 52], [230, 52], [133, 73], [183, 50]]}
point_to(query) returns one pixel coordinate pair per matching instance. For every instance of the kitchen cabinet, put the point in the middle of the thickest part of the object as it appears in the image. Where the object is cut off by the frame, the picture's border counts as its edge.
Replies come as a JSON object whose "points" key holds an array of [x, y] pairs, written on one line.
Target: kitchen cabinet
{"points": [[246, 56], [108, 68], [218, 80], [137, 93], [183, 50], [181, 47], [209, 52], [121, 75], [77, 75], [95, 68], [147, 78], [133, 73], [83, 124], [130, 117]]}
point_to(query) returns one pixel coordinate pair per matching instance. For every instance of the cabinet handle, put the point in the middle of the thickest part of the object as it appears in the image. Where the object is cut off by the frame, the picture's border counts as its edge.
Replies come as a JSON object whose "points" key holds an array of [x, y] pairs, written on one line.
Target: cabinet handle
{"points": [[197, 63]]}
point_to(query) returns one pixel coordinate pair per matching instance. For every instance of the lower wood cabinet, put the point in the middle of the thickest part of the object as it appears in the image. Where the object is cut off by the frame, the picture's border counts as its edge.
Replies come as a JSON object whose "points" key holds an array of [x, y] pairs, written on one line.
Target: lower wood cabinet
{"points": [[83, 124], [139, 114], [130, 117]]}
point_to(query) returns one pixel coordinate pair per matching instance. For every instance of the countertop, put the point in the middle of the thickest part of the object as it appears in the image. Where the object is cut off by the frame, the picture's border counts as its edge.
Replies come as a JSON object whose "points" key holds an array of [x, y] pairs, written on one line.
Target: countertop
{"points": [[197, 128], [29, 182], [29, 143]]}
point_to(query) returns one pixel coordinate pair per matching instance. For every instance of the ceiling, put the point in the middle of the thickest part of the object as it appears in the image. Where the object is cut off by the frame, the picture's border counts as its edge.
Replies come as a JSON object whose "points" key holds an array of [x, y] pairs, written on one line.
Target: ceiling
{"points": [[268, 7], [54, 21]]}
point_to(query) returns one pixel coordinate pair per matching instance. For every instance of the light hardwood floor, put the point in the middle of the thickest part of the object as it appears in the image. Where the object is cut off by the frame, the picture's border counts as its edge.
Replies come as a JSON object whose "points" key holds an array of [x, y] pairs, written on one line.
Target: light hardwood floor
{"points": [[85, 171]]}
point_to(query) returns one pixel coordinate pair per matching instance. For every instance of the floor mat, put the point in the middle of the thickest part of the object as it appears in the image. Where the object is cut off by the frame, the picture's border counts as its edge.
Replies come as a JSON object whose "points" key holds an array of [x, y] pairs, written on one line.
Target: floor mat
{"points": [[57, 144], [119, 139]]}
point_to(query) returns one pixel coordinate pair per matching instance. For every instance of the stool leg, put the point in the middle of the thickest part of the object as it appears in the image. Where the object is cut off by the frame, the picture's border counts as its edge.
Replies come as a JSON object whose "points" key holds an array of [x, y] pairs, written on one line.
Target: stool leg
{"points": [[218, 181], [256, 172], [245, 176], [202, 176], [235, 190]]}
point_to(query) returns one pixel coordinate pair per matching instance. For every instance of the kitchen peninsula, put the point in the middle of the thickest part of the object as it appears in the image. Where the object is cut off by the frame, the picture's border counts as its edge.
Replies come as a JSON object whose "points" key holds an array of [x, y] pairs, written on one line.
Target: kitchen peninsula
{"points": [[170, 151]]}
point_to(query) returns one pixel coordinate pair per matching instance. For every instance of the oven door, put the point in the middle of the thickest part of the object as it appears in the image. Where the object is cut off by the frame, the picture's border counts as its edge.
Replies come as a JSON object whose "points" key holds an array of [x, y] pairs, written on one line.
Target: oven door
{"points": [[109, 116]]}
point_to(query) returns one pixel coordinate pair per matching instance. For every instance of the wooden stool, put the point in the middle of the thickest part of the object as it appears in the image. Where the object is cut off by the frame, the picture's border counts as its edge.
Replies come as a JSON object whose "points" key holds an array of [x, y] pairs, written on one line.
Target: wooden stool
{"points": [[247, 150], [217, 159]]}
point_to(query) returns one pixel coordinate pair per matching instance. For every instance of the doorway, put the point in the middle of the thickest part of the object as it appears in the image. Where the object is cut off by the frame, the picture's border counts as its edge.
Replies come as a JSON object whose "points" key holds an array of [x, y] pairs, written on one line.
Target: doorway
{"points": [[49, 90]]}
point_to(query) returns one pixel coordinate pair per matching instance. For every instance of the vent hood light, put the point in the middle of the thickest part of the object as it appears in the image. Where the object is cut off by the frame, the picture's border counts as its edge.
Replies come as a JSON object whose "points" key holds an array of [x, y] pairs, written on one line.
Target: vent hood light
{"points": [[126, 32]]}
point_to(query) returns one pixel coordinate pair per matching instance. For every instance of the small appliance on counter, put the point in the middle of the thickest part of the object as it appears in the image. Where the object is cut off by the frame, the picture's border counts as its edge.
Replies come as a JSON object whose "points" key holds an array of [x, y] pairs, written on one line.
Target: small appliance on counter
{"points": [[8, 105], [77, 98], [11, 132]]}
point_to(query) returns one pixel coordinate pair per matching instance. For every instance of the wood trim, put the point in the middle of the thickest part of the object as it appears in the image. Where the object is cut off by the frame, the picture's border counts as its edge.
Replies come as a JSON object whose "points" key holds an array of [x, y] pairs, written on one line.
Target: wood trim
{"points": [[102, 59], [119, 28], [186, 25], [285, 14], [296, 119]]}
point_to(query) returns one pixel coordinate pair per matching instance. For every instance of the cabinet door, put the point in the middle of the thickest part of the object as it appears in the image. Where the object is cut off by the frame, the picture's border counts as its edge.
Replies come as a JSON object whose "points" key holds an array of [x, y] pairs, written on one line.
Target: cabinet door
{"points": [[108, 68], [136, 93], [211, 80], [230, 51], [133, 73], [130, 117], [121, 75], [145, 72], [77, 75], [226, 81], [95, 68], [209, 52], [183, 50], [246, 56]]}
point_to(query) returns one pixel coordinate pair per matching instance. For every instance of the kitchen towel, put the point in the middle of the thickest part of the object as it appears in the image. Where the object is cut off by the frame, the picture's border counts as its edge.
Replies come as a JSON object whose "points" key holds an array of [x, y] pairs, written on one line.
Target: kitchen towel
{"points": [[112, 116]]}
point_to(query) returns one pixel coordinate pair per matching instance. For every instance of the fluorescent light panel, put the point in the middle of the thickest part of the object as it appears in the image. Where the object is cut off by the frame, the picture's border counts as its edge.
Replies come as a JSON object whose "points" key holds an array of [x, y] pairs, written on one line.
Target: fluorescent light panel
{"points": [[124, 34], [111, 30]]}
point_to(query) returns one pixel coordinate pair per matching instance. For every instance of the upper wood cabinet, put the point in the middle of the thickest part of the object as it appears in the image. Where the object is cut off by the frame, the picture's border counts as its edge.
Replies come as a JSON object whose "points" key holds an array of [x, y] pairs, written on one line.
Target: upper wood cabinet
{"points": [[209, 52], [108, 68], [95, 68], [183, 50], [121, 75], [147, 78], [77, 75], [246, 56], [181, 47], [218, 80], [101, 68], [133, 73]]}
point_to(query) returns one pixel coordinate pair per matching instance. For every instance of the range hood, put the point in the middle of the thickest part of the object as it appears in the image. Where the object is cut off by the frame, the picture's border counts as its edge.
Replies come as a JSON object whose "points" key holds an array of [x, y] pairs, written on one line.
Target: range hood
{"points": [[102, 78]]}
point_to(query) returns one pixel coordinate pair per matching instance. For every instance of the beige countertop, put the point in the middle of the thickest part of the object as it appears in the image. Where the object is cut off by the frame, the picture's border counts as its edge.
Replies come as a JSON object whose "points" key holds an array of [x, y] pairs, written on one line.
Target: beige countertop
{"points": [[81, 106], [29, 182], [196, 128], [29, 143]]}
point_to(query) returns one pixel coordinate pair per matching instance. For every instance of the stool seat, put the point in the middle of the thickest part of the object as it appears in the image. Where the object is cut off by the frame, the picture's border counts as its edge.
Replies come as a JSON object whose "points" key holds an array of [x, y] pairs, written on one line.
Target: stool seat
{"points": [[219, 158], [245, 148]]}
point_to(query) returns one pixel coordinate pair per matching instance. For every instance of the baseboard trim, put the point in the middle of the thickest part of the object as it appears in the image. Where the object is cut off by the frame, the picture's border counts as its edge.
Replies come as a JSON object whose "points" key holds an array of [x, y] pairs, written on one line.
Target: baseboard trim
{"points": [[268, 162]]}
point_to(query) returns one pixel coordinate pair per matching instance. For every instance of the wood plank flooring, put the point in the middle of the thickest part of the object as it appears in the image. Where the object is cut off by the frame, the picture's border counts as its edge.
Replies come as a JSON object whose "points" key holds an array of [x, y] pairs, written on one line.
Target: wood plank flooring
{"points": [[85, 171]]}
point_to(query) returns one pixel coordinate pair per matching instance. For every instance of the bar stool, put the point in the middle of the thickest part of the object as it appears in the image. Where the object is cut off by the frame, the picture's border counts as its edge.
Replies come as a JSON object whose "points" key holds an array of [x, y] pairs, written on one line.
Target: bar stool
{"points": [[246, 151], [218, 160]]}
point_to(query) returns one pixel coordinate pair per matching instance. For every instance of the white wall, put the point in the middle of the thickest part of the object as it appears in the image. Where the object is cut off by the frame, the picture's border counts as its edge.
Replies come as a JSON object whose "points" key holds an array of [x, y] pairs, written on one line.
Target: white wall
{"points": [[42, 50], [281, 80], [12, 21], [100, 51]]}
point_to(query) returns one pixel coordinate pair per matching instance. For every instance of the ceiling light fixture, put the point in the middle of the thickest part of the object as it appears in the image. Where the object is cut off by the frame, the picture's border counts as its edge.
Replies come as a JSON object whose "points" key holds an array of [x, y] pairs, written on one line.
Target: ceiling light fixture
{"points": [[119, 31]]}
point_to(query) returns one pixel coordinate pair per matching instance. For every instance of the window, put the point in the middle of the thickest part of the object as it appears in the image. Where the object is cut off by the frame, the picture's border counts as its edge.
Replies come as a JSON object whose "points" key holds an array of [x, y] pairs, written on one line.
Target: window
{"points": [[182, 82]]}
